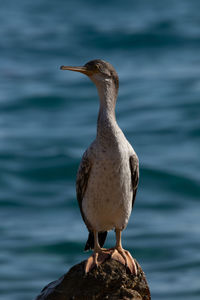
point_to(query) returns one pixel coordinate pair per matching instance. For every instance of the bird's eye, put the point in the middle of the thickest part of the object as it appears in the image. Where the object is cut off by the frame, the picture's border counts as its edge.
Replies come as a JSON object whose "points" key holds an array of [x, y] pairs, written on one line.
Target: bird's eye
{"points": [[97, 67]]}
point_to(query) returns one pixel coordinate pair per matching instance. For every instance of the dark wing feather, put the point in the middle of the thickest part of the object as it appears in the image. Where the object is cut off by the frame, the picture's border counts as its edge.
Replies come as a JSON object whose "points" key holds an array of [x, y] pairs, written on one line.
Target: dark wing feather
{"points": [[81, 183], [134, 166], [81, 186]]}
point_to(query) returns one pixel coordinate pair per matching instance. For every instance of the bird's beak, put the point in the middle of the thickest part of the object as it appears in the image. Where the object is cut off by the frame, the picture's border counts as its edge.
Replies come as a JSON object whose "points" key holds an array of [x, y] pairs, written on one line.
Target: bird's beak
{"points": [[83, 70]]}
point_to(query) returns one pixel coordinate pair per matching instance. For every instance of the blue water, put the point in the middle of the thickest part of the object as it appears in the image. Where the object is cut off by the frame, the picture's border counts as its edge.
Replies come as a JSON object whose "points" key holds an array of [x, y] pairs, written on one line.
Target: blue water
{"points": [[48, 118]]}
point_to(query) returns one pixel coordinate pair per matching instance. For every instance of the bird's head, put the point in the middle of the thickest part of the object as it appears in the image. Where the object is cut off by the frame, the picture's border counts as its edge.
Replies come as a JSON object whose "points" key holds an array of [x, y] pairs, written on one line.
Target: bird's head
{"points": [[99, 71]]}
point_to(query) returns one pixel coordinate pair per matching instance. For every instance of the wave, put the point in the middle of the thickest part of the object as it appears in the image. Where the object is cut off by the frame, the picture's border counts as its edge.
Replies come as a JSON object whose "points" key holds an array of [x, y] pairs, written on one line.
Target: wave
{"points": [[47, 102]]}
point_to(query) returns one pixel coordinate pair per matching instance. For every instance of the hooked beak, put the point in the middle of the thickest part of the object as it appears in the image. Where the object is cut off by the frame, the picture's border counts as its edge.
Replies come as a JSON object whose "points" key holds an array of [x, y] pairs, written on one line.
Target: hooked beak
{"points": [[83, 70]]}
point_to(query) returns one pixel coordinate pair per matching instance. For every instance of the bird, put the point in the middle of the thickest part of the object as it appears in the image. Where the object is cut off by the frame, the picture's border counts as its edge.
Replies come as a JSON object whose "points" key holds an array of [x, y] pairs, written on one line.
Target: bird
{"points": [[108, 174]]}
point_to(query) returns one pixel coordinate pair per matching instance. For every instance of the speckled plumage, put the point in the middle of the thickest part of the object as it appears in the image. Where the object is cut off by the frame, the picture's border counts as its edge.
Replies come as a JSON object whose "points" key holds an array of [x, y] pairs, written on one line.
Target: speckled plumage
{"points": [[108, 174]]}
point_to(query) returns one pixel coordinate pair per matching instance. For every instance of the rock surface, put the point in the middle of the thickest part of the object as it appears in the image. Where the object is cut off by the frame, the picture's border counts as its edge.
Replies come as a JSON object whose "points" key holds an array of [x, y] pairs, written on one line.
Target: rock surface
{"points": [[109, 281]]}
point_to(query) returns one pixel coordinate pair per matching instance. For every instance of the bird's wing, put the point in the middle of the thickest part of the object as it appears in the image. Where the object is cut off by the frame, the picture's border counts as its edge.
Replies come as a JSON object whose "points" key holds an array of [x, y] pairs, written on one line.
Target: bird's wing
{"points": [[82, 181], [134, 166]]}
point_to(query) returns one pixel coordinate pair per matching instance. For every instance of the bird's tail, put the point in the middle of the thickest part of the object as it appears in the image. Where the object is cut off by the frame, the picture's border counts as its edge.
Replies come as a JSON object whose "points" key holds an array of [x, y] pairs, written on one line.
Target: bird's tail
{"points": [[90, 242]]}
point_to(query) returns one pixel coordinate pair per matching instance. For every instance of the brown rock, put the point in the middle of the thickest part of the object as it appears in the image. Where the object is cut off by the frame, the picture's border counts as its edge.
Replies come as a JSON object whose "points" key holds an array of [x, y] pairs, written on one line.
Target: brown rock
{"points": [[109, 281]]}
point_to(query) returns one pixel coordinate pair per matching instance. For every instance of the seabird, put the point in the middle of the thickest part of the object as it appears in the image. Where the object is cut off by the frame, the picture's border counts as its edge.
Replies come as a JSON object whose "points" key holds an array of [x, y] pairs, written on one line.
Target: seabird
{"points": [[108, 174]]}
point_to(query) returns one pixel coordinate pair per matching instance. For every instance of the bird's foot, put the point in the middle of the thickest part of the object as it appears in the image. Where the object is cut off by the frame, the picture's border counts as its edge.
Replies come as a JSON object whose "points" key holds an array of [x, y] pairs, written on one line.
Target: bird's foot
{"points": [[96, 259], [125, 258]]}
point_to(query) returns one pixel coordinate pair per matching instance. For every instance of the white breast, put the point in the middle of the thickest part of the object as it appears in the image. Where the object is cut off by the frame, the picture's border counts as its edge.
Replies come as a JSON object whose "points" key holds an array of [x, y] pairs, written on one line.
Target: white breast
{"points": [[107, 202]]}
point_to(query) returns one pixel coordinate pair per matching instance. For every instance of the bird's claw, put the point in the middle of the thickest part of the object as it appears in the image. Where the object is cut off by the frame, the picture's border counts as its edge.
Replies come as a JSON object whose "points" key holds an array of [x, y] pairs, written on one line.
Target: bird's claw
{"points": [[96, 259], [125, 258]]}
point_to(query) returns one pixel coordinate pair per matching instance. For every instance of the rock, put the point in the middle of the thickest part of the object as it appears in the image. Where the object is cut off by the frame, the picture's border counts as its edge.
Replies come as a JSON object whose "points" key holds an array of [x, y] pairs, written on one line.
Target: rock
{"points": [[109, 281]]}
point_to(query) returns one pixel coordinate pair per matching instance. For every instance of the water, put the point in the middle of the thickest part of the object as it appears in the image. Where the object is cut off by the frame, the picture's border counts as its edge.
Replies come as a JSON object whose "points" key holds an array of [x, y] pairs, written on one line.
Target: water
{"points": [[48, 118]]}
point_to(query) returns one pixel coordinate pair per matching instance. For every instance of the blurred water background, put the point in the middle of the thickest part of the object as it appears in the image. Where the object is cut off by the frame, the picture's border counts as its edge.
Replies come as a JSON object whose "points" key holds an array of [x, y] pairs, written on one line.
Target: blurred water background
{"points": [[48, 118]]}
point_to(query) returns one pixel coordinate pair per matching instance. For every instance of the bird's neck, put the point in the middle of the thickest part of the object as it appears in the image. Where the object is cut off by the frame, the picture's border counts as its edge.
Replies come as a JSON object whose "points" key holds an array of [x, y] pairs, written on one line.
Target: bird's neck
{"points": [[106, 124]]}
